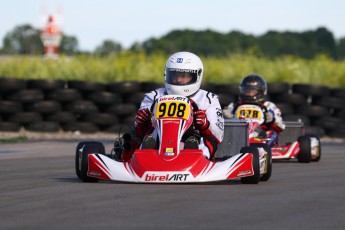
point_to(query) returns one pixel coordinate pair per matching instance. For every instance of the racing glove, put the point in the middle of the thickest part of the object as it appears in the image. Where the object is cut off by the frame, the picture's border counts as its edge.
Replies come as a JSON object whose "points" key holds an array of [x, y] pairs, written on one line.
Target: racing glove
{"points": [[200, 120], [143, 124], [143, 116], [269, 117]]}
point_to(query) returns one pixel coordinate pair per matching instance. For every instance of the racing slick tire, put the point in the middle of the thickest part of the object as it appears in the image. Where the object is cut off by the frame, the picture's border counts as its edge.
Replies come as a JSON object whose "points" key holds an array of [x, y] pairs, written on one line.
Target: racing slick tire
{"points": [[266, 176], [83, 149], [255, 179], [304, 155]]}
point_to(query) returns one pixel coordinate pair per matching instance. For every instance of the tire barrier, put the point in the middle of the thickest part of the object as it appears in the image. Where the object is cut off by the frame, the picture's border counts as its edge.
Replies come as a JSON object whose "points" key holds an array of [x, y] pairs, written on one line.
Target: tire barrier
{"points": [[59, 105]]}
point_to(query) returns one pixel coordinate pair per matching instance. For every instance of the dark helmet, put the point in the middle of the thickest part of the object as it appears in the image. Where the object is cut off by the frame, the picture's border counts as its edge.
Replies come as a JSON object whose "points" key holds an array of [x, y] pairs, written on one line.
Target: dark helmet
{"points": [[253, 89]]}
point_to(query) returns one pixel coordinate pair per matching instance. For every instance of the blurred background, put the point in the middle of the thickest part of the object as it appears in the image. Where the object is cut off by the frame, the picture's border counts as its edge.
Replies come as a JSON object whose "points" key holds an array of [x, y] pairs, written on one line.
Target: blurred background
{"points": [[303, 28], [79, 57]]}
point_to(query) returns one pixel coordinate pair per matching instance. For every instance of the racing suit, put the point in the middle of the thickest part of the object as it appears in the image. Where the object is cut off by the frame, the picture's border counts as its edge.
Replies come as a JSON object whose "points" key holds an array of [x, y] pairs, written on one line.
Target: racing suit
{"points": [[272, 128], [207, 101]]}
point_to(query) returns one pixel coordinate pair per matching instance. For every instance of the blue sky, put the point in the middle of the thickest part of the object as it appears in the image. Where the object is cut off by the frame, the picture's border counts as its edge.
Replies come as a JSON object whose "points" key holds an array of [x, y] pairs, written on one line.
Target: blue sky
{"points": [[130, 21]]}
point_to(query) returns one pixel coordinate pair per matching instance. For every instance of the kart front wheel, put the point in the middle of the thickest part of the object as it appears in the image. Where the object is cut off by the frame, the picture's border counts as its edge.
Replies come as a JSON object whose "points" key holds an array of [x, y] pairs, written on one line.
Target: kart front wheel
{"points": [[304, 155], [268, 172], [315, 148], [256, 165], [81, 158]]}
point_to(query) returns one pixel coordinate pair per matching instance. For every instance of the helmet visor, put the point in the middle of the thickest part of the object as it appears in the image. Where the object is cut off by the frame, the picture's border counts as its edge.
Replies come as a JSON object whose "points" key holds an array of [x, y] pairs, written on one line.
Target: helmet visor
{"points": [[181, 76], [251, 92]]}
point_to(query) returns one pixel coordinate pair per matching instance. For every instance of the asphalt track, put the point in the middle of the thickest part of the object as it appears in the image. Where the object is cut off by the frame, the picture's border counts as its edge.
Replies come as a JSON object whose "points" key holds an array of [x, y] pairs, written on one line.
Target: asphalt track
{"points": [[39, 190]]}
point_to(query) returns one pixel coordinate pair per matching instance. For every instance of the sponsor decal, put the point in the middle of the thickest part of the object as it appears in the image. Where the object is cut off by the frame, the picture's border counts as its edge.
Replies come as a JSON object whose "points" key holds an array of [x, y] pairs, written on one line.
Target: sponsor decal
{"points": [[94, 173], [184, 70], [220, 125], [170, 98], [219, 112], [179, 60], [165, 177], [244, 173], [169, 152]]}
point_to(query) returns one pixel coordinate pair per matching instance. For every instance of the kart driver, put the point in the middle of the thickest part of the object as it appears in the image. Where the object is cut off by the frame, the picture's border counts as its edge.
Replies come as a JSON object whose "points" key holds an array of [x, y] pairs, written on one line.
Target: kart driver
{"points": [[183, 76], [253, 90]]}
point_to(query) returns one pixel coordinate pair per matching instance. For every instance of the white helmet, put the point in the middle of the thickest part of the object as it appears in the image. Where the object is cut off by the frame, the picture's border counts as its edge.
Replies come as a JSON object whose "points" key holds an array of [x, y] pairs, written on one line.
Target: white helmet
{"points": [[183, 74]]}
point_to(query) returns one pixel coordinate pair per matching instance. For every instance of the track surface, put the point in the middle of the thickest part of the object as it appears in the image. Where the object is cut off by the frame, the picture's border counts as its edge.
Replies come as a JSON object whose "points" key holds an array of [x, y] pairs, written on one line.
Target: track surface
{"points": [[39, 190]]}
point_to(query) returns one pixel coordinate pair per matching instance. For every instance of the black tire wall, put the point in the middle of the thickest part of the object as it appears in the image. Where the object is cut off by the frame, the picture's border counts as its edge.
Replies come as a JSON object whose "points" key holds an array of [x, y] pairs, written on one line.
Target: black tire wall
{"points": [[59, 105]]}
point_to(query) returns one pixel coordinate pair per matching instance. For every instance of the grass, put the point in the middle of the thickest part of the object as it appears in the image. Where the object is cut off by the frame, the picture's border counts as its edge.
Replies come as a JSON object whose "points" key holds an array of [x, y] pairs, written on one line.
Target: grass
{"points": [[13, 139], [140, 67]]}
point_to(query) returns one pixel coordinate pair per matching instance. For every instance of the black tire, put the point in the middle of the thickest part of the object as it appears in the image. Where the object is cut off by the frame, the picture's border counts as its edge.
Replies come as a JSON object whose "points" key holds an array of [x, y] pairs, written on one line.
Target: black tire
{"points": [[11, 84], [338, 92], [81, 107], [86, 86], [336, 133], [266, 176], [128, 120], [43, 126], [10, 107], [329, 123], [304, 155], [296, 117], [26, 95], [44, 107], [135, 98], [150, 86], [225, 99], [105, 98], [26, 117], [291, 98], [81, 158], [116, 129], [314, 130], [228, 89], [122, 109], [9, 126], [256, 165], [46, 84], [61, 117], [318, 158], [65, 95], [274, 88], [285, 108], [101, 118], [313, 111], [340, 113], [311, 90], [331, 102], [124, 87], [83, 127], [208, 86]]}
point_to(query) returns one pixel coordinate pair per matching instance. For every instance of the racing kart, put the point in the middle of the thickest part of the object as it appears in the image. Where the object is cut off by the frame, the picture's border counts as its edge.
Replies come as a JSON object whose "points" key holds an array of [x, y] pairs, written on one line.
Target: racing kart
{"points": [[171, 161], [293, 144]]}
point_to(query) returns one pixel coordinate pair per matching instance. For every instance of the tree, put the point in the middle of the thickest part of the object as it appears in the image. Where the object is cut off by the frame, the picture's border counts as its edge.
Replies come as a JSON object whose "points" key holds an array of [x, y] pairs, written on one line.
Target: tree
{"points": [[69, 45], [23, 39], [341, 48], [108, 47]]}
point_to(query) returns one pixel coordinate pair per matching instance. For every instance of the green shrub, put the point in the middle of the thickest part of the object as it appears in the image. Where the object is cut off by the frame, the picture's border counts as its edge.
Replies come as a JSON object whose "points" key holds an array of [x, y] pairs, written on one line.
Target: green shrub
{"points": [[140, 67]]}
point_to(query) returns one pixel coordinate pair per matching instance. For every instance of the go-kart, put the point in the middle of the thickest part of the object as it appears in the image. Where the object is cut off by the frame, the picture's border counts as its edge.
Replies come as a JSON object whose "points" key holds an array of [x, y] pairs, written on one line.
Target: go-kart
{"points": [[172, 161], [305, 148]]}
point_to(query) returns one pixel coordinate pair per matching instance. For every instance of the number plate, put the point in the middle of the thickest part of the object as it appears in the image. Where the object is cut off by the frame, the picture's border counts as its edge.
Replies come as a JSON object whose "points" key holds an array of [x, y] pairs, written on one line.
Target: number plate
{"points": [[254, 112], [172, 109]]}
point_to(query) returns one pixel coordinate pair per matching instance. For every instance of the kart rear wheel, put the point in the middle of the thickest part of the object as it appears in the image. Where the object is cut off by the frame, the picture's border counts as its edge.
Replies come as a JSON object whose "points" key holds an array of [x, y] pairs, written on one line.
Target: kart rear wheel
{"points": [[81, 158], [256, 165], [266, 176], [304, 155]]}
